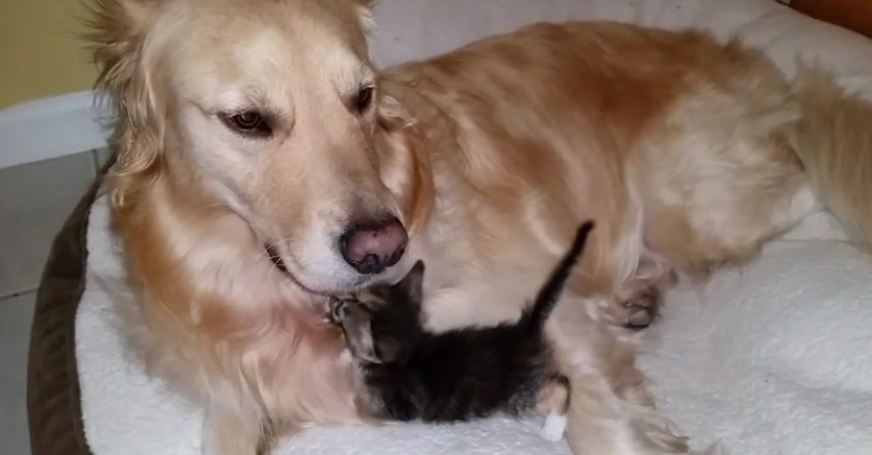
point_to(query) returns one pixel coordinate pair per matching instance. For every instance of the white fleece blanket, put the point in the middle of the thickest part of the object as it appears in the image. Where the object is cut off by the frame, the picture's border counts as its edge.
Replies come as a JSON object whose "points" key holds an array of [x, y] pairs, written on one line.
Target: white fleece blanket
{"points": [[775, 358]]}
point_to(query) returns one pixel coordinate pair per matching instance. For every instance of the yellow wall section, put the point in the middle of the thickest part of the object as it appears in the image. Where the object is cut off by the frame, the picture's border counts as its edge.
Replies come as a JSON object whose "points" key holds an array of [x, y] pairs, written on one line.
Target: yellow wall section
{"points": [[41, 52]]}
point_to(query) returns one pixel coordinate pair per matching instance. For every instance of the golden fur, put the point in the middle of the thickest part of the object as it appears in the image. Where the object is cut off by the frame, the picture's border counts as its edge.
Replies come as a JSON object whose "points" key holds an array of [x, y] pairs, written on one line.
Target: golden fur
{"points": [[687, 153]]}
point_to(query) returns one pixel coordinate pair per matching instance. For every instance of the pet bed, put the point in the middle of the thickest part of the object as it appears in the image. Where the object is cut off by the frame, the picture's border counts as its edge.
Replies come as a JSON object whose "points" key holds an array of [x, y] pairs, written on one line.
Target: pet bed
{"points": [[771, 358]]}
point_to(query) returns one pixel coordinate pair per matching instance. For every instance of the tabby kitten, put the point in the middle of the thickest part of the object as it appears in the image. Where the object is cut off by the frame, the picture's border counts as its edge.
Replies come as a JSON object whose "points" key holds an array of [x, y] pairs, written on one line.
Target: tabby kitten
{"points": [[407, 373]]}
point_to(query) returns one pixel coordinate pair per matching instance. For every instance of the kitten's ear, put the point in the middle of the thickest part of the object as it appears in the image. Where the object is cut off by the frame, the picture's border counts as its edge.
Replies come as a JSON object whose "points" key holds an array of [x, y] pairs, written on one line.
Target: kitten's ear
{"points": [[412, 285], [388, 349]]}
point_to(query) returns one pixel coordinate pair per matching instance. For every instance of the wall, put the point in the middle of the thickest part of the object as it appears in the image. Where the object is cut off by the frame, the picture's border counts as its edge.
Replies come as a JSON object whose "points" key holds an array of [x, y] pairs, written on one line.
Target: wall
{"points": [[41, 54]]}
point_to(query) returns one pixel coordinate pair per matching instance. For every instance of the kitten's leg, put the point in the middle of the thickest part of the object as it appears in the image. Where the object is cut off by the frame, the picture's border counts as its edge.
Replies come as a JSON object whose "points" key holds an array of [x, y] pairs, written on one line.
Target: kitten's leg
{"points": [[356, 323], [553, 401], [336, 310]]}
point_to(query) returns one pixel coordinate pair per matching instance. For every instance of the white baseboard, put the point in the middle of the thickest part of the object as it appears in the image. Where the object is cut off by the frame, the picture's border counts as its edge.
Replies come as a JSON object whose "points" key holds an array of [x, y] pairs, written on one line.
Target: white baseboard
{"points": [[51, 127]]}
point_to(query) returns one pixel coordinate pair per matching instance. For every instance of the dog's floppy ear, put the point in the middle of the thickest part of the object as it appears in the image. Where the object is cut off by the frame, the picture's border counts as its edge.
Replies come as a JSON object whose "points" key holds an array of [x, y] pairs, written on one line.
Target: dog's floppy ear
{"points": [[404, 156], [119, 36]]}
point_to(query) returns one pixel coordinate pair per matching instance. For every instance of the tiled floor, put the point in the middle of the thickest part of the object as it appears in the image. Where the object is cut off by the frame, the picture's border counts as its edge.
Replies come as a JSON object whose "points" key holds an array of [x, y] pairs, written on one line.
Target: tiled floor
{"points": [[35, 199]]}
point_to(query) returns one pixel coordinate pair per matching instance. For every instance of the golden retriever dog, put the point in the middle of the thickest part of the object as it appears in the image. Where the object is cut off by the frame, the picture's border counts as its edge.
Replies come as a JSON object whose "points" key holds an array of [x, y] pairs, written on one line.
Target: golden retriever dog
{"points": [[264, 163]]}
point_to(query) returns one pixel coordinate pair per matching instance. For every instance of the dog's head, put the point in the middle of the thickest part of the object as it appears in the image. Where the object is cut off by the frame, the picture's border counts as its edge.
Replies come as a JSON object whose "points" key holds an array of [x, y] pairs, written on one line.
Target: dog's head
{"points": [[266, 107]]}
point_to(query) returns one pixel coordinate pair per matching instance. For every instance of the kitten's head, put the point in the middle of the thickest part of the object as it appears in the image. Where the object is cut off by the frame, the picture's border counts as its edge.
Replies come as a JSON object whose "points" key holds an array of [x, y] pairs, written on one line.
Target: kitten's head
{"points": [[382, 323]]}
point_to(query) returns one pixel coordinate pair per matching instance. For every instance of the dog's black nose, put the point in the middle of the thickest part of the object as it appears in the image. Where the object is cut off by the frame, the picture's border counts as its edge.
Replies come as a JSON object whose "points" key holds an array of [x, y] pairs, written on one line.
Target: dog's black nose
{"points": [[372, 246]]}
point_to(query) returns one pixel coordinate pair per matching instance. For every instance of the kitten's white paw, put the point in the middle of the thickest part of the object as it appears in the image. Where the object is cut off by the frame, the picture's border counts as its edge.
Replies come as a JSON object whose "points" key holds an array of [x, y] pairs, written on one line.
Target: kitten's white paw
{"points": [[555, 425]]}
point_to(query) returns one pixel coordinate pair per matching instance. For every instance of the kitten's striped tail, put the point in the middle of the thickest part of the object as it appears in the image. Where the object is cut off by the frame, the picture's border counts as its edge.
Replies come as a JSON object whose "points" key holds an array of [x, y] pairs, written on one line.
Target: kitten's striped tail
{"points": [[551, 291]]}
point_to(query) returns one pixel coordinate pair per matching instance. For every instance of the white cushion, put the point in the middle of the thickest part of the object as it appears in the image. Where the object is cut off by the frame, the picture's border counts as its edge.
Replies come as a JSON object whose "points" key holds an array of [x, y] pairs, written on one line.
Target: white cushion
{"points": [[774, 359]]}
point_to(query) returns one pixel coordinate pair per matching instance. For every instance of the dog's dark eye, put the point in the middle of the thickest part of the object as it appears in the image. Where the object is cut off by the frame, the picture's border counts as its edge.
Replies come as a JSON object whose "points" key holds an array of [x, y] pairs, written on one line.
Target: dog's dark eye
{"points": [[248, 123], [363, 99]]}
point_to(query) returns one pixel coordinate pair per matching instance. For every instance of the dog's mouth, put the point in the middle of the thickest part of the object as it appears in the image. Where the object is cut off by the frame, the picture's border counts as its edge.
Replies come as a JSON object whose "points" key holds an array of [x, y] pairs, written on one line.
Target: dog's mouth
{"points": [[275, 257], [273, 253]]}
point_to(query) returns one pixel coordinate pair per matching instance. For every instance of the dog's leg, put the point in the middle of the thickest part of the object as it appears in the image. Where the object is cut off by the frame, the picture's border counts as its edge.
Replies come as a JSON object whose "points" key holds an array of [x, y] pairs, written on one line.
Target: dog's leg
{"points": [[229, 432], [610, 411], [636, 305]]}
